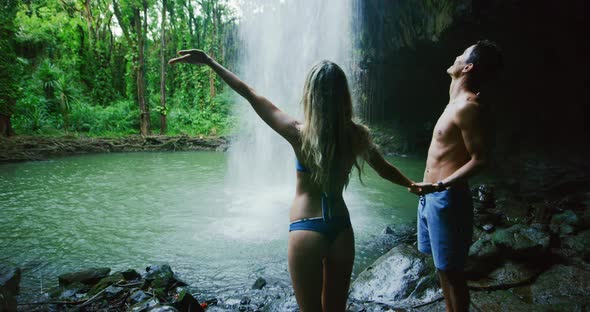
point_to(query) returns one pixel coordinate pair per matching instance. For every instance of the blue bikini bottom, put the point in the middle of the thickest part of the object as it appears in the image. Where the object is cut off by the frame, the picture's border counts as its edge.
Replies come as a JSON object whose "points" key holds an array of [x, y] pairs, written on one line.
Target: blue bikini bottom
{"points": [[330, 228]]}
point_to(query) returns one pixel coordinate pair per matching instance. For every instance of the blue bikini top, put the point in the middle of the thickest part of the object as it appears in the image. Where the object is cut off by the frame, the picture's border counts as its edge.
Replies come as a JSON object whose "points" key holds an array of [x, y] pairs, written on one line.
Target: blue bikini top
{"points": [[299, 166], [326, 200]]}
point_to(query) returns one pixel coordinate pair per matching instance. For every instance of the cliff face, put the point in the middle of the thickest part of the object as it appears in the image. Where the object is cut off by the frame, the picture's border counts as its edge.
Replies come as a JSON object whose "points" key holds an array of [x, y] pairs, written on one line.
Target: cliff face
{"points": [[539, 103]]}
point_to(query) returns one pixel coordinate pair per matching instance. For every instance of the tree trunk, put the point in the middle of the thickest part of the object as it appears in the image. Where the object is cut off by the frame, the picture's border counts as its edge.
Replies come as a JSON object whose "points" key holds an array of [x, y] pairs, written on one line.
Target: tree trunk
{"points": [[212, 53], [163, 124], [144, 121], [5, 126]]}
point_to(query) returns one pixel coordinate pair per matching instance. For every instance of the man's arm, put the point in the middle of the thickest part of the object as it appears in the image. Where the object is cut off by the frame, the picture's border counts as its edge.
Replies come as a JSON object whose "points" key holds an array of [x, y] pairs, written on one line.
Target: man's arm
{"points": [[470, 121]]}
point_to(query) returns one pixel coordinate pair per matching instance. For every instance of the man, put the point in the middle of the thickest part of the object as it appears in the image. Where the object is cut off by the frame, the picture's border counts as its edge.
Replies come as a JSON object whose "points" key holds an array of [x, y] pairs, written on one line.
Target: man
{"points": [[457, 152]]}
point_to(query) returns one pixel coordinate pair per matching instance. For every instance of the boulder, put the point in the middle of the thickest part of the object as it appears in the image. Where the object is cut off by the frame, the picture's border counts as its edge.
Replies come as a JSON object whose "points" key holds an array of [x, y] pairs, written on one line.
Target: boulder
{"points": [[521, 241], [106, 282], [9, 287], [509, 274], [402, 277], [162, 308], [144, 306], [185, 302], [579, 243], [138, 296], [162, 277], [566, 286], [113, 291], [501, 301], [564, 223], [130, 275], [483, 257], [260, 282], [88, 277]]}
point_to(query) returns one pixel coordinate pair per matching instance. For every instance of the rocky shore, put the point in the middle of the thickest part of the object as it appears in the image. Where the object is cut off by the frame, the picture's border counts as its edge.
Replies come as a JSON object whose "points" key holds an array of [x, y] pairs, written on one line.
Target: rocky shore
{"points": [[525, 256], [26, 148]]}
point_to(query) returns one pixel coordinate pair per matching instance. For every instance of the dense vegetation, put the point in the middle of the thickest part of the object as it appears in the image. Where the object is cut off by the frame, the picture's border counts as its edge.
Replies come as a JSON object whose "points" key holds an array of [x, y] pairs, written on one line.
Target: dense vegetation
{"points": [[98, 67]]}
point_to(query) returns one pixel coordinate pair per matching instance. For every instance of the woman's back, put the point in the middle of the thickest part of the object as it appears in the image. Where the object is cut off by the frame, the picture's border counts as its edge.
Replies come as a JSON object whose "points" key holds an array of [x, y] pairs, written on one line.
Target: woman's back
{"points": [[308, 193]]}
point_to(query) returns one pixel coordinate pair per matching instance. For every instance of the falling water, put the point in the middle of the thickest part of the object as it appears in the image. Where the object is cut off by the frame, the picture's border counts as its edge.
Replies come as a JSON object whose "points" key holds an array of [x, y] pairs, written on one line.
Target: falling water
{"points": [[282, 40]]}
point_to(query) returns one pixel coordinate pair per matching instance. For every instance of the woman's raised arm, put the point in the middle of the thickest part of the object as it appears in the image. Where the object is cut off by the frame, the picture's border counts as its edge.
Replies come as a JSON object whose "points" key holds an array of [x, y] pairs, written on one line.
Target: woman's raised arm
{"points": [[278, 120]]}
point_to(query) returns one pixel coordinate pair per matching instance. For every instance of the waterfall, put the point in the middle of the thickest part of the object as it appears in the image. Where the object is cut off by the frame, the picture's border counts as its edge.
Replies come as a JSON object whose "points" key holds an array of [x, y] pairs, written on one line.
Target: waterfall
{"points": [[281, 41]]}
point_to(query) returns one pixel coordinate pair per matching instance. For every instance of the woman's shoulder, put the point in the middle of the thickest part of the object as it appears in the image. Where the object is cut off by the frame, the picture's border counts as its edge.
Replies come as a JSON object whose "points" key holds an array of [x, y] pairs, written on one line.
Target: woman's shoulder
{"points": [[361, 136]]}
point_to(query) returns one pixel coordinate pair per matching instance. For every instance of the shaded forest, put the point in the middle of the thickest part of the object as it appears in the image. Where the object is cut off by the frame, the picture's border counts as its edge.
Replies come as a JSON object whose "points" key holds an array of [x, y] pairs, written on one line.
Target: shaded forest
{"points": [[97, 67]]}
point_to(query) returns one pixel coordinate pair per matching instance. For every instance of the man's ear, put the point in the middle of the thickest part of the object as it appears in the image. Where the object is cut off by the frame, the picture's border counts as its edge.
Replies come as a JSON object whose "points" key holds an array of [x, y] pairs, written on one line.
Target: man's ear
{"points": [[468, 68]]}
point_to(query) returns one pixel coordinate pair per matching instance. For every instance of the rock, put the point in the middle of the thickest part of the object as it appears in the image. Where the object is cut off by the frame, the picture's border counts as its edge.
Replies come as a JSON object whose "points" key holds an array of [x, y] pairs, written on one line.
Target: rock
{"points": [[488, 227], [106, 282], [287, 304], [113, 291], [187, 303], [130, 275], [138, 296], [520, 241], [144, 306], [501, 301], [9, 279], [162, 277], [512, 208], [483, 257], [260, 282], [510, 274], [564, 223], [88, 277], [563, 285], [245, 300], [402, 277], [162, 308], [387, 230], [579, 243]]}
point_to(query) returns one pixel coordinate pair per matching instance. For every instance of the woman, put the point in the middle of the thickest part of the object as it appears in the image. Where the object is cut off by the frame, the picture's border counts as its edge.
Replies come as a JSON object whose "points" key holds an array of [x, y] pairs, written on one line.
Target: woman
{"points": [[327, 145]]}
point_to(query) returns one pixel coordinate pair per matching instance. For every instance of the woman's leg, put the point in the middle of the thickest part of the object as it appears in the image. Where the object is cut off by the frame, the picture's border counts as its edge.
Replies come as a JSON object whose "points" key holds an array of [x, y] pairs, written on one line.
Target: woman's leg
{"points": [[306, 250], [337, 270]]}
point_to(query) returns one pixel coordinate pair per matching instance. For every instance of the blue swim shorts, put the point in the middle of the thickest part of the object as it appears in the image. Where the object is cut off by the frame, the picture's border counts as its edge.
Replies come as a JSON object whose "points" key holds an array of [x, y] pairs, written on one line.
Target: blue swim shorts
{"points": [[445, 226]]}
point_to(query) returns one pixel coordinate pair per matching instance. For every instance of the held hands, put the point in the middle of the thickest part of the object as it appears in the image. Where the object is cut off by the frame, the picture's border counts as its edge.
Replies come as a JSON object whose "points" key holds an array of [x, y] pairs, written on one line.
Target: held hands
{"points": [[192, 56], [423, 188]]}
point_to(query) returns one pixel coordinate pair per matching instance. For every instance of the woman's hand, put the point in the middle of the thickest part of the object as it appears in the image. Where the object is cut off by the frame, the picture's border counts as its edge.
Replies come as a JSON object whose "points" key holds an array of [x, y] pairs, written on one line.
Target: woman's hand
{"points": [[193, 56]]}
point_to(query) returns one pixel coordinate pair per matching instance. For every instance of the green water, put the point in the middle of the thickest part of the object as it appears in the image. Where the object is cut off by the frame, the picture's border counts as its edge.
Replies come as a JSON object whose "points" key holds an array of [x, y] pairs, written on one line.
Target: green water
{"points": [[131, 210]]}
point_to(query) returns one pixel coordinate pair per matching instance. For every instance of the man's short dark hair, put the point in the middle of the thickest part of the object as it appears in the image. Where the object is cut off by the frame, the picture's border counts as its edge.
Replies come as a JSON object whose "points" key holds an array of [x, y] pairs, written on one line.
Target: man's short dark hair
{"points": [[486, 58]]}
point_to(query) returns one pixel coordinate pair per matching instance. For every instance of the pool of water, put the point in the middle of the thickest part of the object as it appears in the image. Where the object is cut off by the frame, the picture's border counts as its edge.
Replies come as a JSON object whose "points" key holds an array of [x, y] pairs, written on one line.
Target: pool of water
{"points": [[131, 210]]}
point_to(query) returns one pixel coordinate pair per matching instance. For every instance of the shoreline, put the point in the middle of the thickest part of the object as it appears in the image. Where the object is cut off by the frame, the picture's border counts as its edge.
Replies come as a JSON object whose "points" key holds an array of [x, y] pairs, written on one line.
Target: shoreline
{"points": [[33, 148]]}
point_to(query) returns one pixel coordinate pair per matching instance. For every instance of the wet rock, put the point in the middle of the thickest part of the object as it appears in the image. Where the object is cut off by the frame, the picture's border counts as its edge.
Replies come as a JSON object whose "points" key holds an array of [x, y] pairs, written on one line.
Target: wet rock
{"points": [[579, 243], [245, 300], [563, 285], [488, 227], [387, 230], [403, 276], [113, 291], [260, 282], [130, 275], [162, 277], [138, 296], [88, 277], [287, 304], [521, 241], [187, 303], [508, 275], [483, 257], [9, 278], [106, 282], [144, 306], [500, 301], [564, 223], [163, 308], [9, 287]]}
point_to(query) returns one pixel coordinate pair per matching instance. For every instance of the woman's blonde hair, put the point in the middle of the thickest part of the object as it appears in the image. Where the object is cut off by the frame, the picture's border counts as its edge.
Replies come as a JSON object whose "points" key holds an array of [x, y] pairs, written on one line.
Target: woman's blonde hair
{"points": [[328, 127]]}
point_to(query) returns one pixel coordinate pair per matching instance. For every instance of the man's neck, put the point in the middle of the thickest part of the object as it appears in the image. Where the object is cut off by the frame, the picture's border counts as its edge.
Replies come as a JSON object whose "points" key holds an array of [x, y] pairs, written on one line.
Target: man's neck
{"points": [[458, 87]]}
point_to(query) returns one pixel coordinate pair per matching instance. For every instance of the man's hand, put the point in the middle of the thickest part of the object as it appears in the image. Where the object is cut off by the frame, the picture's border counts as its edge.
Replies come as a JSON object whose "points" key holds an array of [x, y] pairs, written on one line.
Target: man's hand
{"points": [[422, 188], [193, 56]]}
